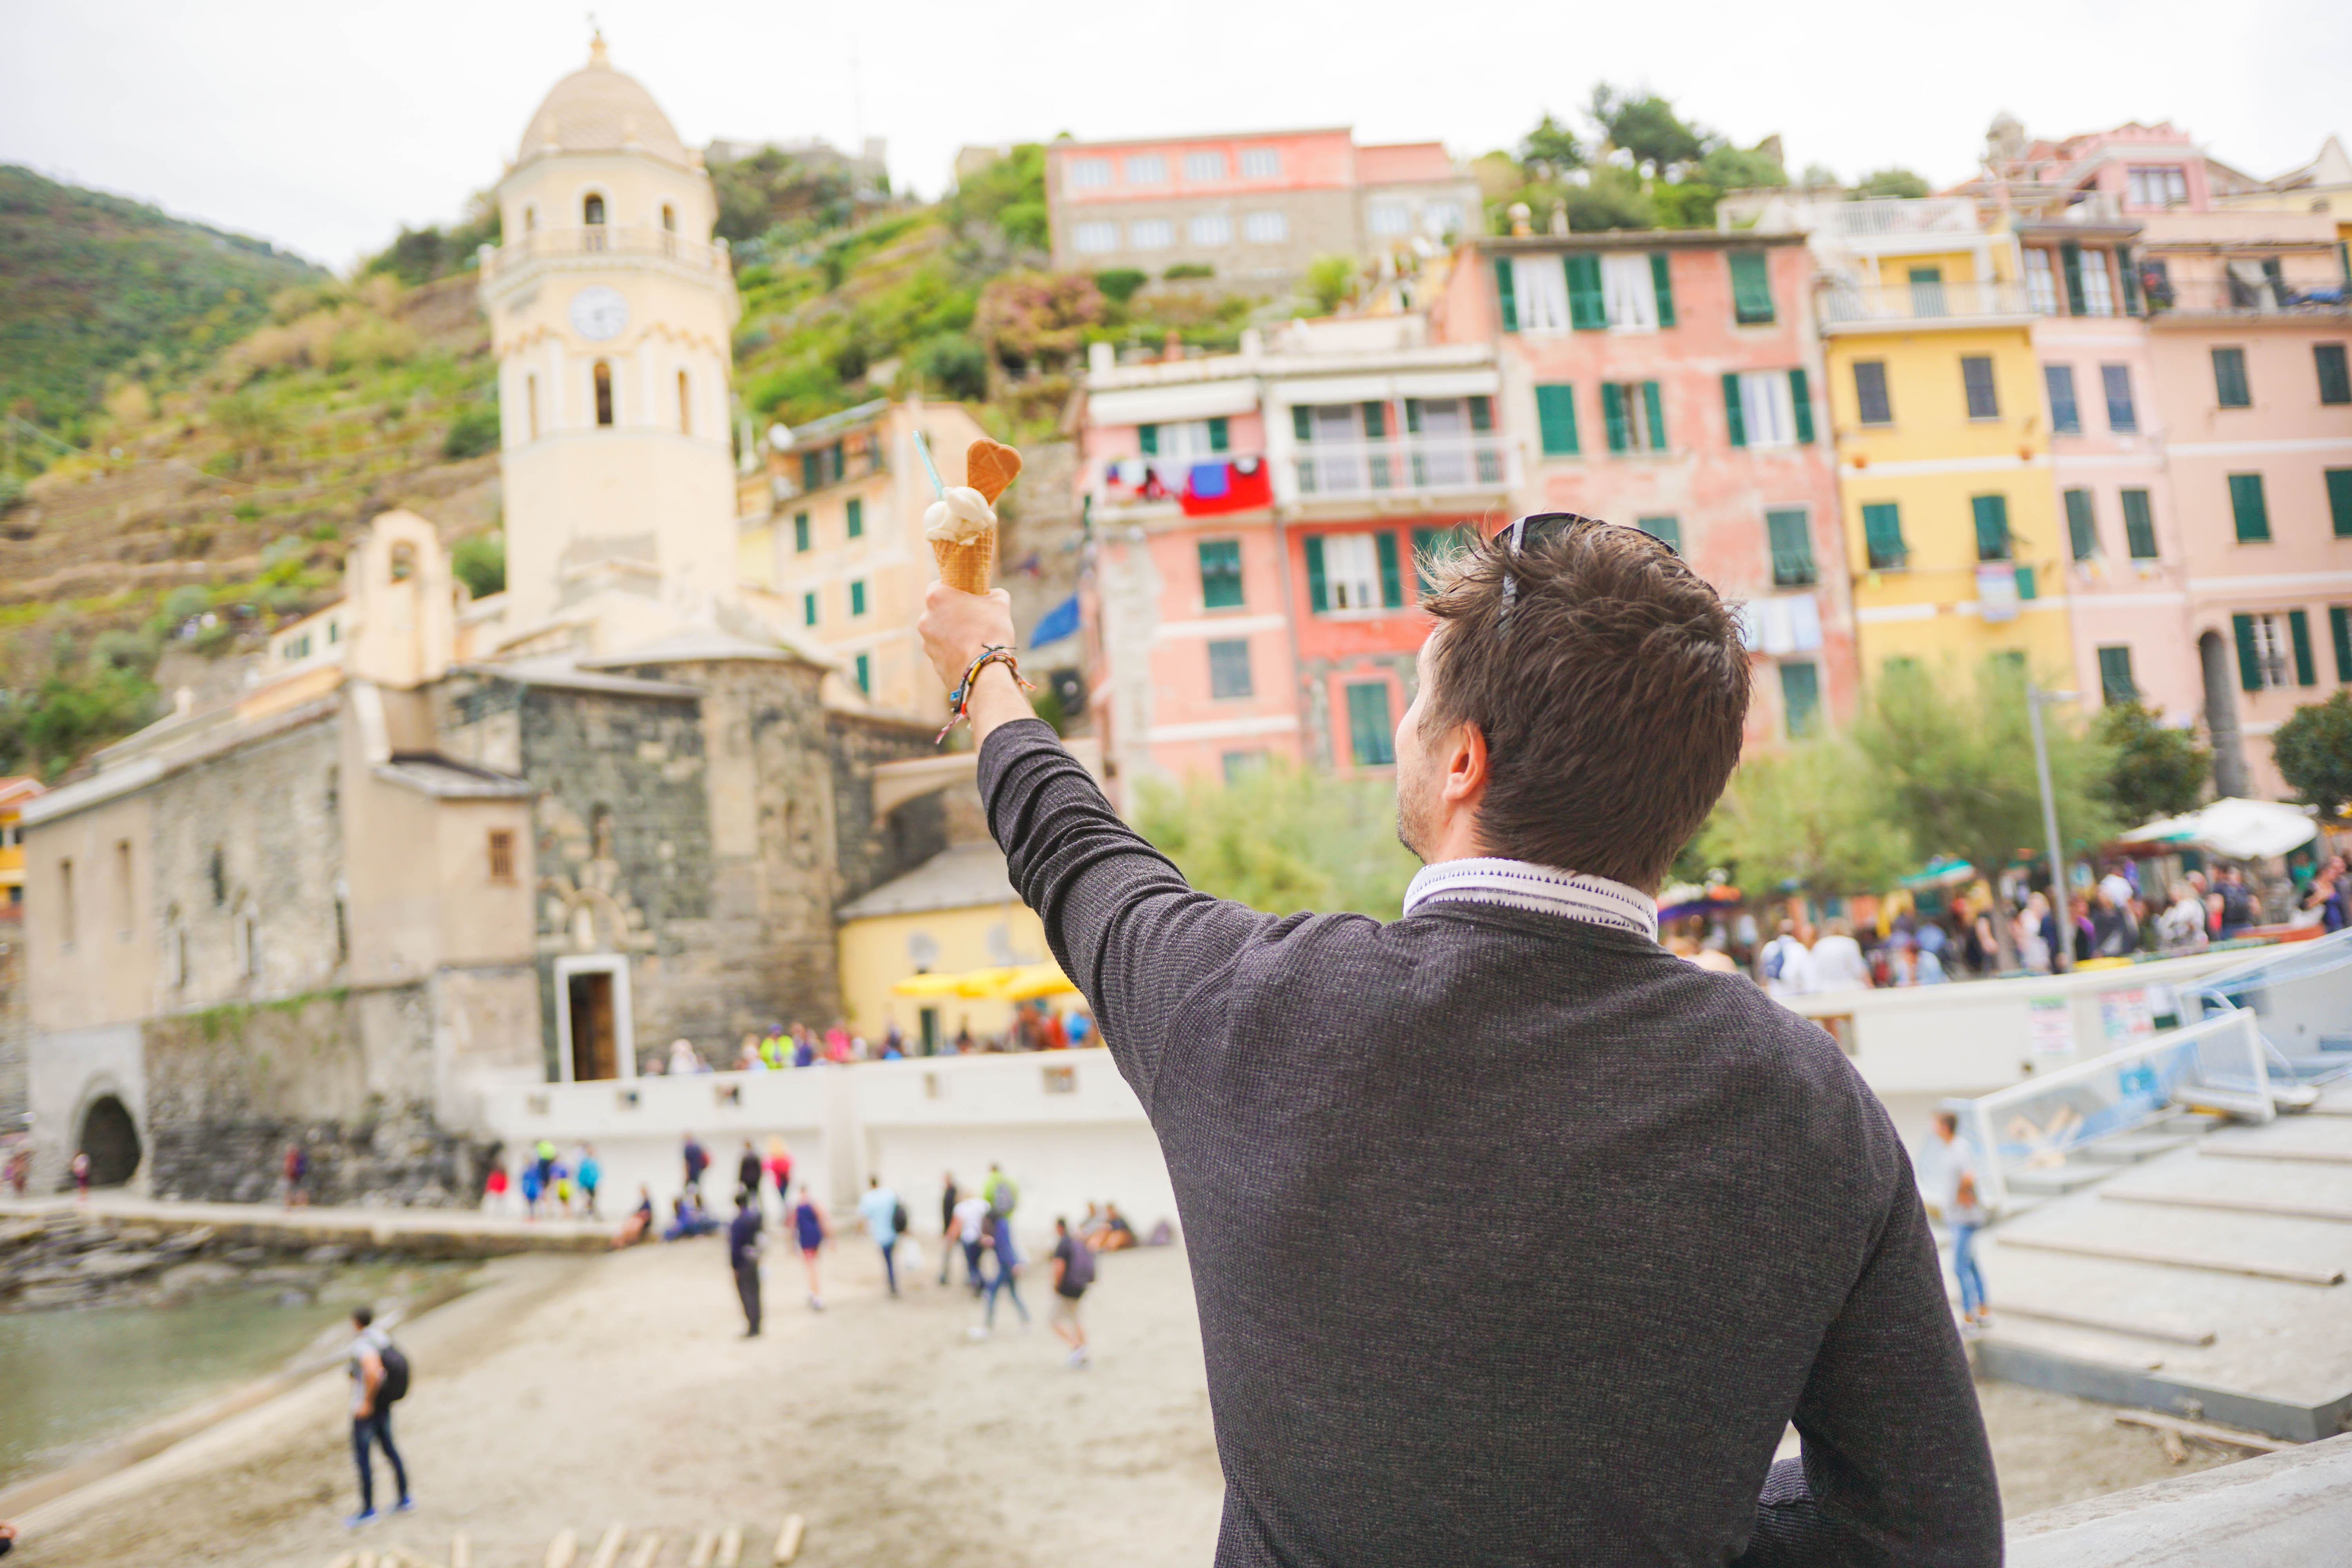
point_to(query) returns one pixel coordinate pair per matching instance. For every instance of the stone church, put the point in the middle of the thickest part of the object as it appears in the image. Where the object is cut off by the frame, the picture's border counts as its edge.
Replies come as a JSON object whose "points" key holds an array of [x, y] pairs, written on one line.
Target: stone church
{"points": [[443, 845]]}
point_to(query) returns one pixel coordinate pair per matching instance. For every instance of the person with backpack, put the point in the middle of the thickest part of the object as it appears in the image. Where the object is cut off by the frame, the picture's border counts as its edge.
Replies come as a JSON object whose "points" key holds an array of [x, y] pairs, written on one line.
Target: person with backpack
{"points": [[885, 1218], [698, 1160], [379, 1381], [743, 1245], [1001, 1195], [1074, 1270], [1787, 964], [588, 1171]]}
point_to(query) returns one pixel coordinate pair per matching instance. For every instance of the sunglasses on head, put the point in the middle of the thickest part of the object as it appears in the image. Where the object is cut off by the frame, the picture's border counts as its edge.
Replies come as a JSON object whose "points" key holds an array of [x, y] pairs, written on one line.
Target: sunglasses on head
{"points": [[1535, 529]]}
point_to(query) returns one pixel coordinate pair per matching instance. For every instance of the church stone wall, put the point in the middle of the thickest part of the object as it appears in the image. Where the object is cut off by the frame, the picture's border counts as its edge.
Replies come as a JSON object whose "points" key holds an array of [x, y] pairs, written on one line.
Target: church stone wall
{"points": [[871, 848]]}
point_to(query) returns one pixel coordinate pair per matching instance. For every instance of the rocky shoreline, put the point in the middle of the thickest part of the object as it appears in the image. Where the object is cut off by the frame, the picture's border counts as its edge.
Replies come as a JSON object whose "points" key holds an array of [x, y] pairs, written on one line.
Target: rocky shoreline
{"points": [[71, 1260]]}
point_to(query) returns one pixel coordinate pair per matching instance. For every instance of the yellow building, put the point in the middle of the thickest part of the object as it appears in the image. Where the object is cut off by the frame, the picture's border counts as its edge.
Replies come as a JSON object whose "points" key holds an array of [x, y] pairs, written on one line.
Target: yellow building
{"points": [[14, 793], [1943, 439], [839, 540]]}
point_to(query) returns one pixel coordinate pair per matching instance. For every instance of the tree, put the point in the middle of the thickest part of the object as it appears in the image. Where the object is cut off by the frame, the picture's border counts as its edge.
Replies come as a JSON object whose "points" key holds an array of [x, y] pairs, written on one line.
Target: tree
{"points": [[2313, 753], [1331, 282], [1817, 176], [1614, 198], [1729, 168], [2155, 771], [1645, 126], [1008, 196], [1807, 817], [1889, 181], [480, 564], [1283, 839], [1551, 149], [1037, 318]]}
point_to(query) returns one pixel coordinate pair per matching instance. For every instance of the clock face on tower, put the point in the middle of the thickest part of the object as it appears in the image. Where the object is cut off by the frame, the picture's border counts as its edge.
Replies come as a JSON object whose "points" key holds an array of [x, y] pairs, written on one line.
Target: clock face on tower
{"points": [[599, 314]]}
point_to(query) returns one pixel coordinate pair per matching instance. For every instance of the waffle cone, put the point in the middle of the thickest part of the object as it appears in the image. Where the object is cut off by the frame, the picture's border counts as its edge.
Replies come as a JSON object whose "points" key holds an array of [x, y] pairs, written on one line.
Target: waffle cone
{"points": [[966, 567]]}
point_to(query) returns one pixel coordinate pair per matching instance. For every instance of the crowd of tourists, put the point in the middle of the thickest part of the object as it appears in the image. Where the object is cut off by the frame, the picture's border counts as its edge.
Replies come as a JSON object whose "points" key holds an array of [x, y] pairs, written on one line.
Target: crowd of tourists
{"points": [[1034, 1026]]}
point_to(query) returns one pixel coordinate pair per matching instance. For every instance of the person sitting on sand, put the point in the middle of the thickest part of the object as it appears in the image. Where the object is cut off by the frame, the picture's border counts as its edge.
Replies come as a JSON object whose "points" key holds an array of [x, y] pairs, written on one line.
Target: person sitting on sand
{"points": [[639, 1225]]}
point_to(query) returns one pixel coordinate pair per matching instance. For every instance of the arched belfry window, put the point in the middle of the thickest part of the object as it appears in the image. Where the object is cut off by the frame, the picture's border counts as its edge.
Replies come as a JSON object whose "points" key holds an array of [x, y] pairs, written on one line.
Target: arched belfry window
{"points": [[685, 405], [403, 562], [591, 213], [670, 217], [604, 392], [529, 218]]}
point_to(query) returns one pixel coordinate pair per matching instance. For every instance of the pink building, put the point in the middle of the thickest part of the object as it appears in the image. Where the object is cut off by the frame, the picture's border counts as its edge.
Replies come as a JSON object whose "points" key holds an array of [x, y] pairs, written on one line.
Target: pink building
{"points": [[1258, 516], [1672, 379]]}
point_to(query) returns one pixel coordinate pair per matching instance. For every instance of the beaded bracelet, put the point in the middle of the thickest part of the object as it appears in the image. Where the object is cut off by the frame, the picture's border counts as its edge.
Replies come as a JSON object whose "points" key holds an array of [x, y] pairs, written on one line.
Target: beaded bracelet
{"points": [[960, 700]]}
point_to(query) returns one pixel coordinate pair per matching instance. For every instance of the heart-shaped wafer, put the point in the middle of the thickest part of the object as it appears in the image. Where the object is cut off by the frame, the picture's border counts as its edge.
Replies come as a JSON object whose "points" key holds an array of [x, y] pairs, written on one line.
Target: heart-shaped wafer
{"points": [[989, 466]]}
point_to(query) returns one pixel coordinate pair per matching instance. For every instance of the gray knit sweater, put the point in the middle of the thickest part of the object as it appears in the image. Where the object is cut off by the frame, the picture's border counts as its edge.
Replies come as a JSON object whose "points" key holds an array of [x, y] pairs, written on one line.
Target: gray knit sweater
{"points": [[1516, 1239]]}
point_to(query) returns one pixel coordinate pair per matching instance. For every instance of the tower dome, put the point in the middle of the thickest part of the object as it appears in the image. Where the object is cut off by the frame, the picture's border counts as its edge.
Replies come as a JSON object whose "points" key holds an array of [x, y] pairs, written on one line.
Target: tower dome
{"points": [[599, 110]]}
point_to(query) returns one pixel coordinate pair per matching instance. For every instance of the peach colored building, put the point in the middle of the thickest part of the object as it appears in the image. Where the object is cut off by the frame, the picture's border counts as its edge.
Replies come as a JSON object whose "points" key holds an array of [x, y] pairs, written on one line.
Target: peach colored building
{"points": [[1672, 379]]}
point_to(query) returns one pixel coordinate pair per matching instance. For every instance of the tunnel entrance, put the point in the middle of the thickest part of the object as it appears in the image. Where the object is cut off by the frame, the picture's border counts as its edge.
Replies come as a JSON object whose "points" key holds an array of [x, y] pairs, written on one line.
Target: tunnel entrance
{"points": [[110, 1138]]}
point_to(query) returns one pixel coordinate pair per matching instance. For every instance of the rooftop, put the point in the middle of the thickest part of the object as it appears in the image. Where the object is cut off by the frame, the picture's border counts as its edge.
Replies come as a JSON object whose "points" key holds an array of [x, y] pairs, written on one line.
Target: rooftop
{"points": [[965, 876], [599, 110]]}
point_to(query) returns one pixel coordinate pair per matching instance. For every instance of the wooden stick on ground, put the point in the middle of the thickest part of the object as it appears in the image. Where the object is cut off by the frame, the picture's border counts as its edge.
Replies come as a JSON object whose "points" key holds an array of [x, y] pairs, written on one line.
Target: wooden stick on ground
{"points": [[788, 1540], [705, 1543], [731, 1548], [608, 1551], [649, 1547], [2211, 1434], [563, 1548]]}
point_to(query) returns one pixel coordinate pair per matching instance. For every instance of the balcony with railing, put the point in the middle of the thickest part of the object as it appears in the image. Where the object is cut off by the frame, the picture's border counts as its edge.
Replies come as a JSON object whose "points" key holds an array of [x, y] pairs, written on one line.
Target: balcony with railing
{"points": [[2239, 297], [1899, 216], [1428, 465], [1924, 303], [602, 239]]}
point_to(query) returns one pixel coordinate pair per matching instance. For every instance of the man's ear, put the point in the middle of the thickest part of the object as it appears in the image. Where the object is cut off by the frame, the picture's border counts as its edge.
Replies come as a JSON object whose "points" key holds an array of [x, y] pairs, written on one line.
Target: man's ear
{"points": [[1466, 763]]}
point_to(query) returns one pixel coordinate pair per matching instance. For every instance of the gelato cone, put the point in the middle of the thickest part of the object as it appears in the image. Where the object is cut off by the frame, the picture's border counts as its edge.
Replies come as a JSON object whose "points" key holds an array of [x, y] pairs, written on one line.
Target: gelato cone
{"points": [[962, 524]]}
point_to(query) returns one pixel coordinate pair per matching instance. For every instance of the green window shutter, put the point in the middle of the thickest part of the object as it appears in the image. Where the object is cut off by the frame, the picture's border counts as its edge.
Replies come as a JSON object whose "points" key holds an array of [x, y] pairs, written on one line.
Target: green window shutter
{"points": [[1733, 421], [2248, 507], [865, 673], [856, 509], [1146, 437], [1882, 535], [1370, 736], [2339, 629], [1800, 696], [1800, 398], [2334, 377], [1556, 418], [858, 598], [1220, 574], [1482, 412], [2115, 683], [1792, 549], [2129, 271], [808, 609], [1391, 586], [1302, 423], [2082, 533], [1587, 309], [1612, 414], [1221, 434], [2140, 526], [1506, 293], [2298, 631], [1654, 406], [2230, 389], [1662, 281], [1751, 288], [1667, 529], [812, 470], [1318, 589], [2339, 502], [1992, 527], [800, 532], [2070, 257], [2249, 661], [2027, 587], [1428, 543], [1376, 420]]}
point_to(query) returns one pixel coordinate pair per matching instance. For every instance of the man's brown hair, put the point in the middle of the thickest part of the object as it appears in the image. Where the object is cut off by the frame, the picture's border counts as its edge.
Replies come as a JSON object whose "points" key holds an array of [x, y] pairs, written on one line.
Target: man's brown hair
{"points": [[1611, 697]]}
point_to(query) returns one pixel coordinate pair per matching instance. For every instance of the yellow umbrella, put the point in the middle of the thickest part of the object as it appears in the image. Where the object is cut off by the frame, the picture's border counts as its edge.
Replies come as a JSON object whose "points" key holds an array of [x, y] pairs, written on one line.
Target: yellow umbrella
{"points": [[1034, 981], [987, 985], [930, 985]]}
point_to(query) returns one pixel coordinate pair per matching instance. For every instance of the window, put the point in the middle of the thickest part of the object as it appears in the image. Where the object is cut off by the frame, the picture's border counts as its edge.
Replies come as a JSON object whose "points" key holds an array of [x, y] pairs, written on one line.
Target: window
{"points": [[1631, 293], [2041, 282], [1556, 418], [2230, 389], [2339, 502], [855, 511], [592, 211], [1266, 227], [685, 405], [502, 868], [1370, 736], [2115, 683], [1089, 174], [1927, 291], [1432, 546], [604, 374], [1261, 164], [1751, 288], [1534, 294], [1669, 529], [2339, 631], [1882, 535], [1634, 415], [1229, 667], [1389, 218], [2065, 417], [800, 532], [2335, 382], [1191, 439], [2249, 510], [669, 218], [1800, 696], [1869, 393], [66, 910], [1205, 166], [2123, 414], [531, 399], [1210, 228], [1975, 378], [529, 218], [1792, 548], [858, 597], [808, 608], [865, 673], [1992, 527], [1442, 218], [2265, 646], [2140, 526], [2082, 531], [1145, 169], [248, 931], [1239, 766], [1764, 413], [1220, 575], [2157, 185], [1351, 569], [403, 562], [1094, 238], [216, 872], [1151, 234], [123, 897], [2098, 291], [2026, 587]]}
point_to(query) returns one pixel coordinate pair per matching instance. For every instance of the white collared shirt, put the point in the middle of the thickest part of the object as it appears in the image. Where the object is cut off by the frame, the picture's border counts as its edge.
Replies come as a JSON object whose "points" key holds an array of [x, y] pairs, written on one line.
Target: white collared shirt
{"points": [[1520, 885]]}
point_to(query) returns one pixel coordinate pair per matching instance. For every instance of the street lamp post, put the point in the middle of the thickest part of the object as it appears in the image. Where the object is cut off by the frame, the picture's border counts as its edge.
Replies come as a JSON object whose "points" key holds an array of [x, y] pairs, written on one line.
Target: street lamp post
{"points": [[2062, 956]]}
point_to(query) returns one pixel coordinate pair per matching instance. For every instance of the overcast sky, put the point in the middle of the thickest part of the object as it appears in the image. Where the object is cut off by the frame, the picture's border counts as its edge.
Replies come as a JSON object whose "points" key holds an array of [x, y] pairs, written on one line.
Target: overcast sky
{"points": [[325, 125]]}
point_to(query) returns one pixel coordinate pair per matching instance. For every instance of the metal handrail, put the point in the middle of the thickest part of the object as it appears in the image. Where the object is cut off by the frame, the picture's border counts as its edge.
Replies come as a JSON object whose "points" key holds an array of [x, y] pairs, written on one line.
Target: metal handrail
{"points": [[1846, 302], [604, 240], [1903, 214], [1402, 464]]}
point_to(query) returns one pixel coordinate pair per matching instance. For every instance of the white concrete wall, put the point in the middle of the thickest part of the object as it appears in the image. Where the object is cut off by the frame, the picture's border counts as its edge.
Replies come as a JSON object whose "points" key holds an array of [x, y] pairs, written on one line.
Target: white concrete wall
{"points": [[65, 1072]]}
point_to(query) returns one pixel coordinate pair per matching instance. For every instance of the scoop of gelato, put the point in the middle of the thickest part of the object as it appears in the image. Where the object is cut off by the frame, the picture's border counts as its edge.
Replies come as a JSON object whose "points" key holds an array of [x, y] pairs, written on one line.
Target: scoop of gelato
{"points": [[958, 517]]}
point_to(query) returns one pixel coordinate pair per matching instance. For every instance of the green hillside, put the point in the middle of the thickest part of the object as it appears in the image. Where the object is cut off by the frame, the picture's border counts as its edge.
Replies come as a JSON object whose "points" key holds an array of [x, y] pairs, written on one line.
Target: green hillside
{"points": [[92, 286]]}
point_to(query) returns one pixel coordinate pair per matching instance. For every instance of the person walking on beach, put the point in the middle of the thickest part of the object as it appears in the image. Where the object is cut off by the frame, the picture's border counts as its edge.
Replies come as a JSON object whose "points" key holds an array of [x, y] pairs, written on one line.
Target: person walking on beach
{"points": [[1008, 1268], [780, 1167], [1965, 1214], [1074, 1270], [970, 1234], [373, 1391], [881, 1211], [743, 1245], [81, 1175], [946, 1222], [1532, 1182], [747, 1167], [698, 1160], [809, 1234]]}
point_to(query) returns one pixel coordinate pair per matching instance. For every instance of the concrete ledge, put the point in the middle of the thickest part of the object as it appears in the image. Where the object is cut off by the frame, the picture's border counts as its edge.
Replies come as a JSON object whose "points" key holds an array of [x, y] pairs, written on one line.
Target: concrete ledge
{"points": [[412, 1233], [2282, 1510], [2112, 1384]]}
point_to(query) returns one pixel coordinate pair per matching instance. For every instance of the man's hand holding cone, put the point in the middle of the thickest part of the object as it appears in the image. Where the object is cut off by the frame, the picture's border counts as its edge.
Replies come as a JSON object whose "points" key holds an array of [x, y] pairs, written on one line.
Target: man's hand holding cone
{"points": [[962, 524]]}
